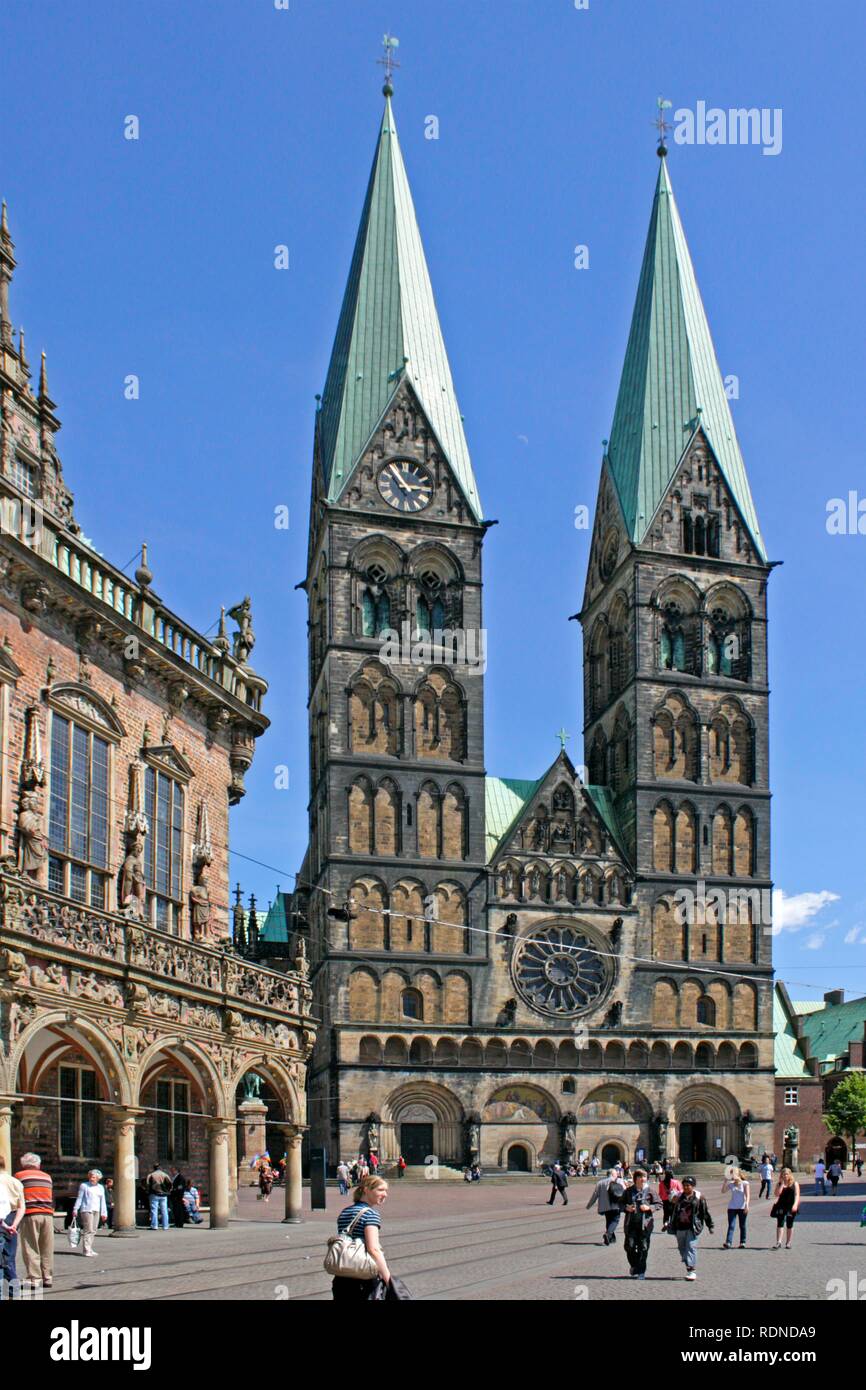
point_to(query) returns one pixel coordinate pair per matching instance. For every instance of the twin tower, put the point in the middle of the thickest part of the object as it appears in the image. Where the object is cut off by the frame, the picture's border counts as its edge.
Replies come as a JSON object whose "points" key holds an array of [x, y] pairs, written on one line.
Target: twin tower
{"points": [[512, 970]]}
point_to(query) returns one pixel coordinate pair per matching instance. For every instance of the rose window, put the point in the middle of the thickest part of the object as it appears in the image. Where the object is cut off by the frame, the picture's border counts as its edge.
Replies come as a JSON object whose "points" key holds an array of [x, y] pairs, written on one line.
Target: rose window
{"points": [[561, 970]]}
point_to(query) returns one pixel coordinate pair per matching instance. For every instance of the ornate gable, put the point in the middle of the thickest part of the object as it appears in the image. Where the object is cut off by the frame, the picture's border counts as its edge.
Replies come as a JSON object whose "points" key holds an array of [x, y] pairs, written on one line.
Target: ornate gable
{"points": [[166, 758], [81, 703]]}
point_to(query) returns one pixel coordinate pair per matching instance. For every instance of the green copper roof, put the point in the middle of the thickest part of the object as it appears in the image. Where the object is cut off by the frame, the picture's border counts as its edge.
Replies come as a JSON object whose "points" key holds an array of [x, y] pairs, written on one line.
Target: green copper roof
{"points": [[669, 376], [505, 798], [602, 800], [788, 1059], [830, 1029], [388, 315]]}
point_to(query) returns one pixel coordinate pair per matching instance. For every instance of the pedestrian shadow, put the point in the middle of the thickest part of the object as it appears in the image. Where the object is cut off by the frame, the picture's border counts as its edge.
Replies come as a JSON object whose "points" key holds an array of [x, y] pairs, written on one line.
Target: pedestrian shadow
{"points": [[619, 1278]]}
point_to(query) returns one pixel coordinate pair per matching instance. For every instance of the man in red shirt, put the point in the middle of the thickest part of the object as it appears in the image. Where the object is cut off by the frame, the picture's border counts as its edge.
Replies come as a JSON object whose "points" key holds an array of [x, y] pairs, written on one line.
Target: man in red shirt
{"points": [[37, 1227]]}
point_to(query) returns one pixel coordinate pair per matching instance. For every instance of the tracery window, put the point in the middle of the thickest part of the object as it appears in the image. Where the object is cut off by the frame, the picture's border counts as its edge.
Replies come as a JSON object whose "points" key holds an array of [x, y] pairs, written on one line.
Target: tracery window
{"points": [[78, 815], [163, 850]]}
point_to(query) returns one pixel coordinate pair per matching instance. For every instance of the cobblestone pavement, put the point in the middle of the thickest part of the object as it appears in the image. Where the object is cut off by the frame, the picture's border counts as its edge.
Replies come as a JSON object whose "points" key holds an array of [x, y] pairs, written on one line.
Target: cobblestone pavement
{"points": [[494, 1242]]}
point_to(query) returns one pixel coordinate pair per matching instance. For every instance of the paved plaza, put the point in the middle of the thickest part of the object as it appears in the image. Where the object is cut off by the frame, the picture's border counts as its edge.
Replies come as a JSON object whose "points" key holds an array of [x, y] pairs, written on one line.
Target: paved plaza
{"points": [[491, 1241]]}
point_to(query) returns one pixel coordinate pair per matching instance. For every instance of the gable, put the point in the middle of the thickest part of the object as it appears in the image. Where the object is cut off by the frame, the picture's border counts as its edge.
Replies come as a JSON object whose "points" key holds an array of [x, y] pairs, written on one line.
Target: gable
{"points": [[555, 816]]}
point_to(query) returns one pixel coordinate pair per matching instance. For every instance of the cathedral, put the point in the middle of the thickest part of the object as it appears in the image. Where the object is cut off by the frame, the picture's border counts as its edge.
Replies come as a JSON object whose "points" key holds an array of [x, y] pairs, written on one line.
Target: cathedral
{"points": [[510, 970]]}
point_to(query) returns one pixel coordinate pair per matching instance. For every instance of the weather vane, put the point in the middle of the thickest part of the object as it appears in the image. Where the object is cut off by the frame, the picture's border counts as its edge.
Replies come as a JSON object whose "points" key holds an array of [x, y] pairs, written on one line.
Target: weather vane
{"points": [[661, 125], [389, 62]]}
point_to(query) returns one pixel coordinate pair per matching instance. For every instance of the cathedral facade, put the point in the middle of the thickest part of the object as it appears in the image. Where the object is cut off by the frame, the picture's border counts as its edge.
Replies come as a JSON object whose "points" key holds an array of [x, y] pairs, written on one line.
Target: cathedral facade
{"points": [[510, 971]]}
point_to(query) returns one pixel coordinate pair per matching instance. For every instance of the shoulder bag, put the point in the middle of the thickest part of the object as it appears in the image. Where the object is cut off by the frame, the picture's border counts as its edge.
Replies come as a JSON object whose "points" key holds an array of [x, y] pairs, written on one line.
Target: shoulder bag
{"points": [[348, 1257]]}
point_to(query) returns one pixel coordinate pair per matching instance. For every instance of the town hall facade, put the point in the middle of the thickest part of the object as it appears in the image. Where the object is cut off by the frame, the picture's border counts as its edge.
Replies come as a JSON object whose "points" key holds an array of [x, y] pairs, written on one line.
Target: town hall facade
{"points": [[509, 971]]}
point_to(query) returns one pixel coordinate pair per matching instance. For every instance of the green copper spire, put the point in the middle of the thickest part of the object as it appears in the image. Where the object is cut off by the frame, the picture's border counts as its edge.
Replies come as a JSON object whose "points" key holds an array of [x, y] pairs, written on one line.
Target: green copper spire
{"points": [[671, 382], [388, 332]]}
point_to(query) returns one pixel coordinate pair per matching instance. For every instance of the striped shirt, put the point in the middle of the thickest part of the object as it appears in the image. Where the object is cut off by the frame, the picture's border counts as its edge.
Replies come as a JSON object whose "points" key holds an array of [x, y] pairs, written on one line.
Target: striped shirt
{"points": [[38, 1191], [369, 1217]]}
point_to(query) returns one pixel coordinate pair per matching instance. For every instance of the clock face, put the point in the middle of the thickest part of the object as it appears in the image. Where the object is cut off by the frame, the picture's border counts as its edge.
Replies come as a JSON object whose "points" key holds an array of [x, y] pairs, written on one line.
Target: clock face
{"points": [[406, 486]]}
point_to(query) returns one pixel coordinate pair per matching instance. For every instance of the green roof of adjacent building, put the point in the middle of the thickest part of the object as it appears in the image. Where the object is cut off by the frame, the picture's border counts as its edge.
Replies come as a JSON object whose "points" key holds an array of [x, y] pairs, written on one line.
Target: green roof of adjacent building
{"points": [[388, 333], [832, 1027], [789, 1061], [671, 383]]}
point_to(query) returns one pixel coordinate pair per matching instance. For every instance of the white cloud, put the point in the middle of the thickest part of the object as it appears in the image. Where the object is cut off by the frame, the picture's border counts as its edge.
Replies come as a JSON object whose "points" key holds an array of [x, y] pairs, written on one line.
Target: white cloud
{"points": [[791, 912], [857, 933], [815, 942]]}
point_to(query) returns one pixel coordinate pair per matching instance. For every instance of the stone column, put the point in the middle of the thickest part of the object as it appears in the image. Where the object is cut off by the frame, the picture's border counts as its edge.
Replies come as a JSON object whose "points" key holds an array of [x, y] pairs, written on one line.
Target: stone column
{"points": [[218, 1135], [6, 1132], [234, 1174], [293, 1179], [125, 1120]]}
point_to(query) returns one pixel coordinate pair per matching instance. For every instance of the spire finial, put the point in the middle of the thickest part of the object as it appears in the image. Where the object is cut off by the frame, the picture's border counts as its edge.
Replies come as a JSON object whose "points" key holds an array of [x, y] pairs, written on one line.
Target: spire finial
{"points": [[22, 353], [144, 574], [4, 223], [389, 62], [563, 738], [661, 125], [43, 379]]}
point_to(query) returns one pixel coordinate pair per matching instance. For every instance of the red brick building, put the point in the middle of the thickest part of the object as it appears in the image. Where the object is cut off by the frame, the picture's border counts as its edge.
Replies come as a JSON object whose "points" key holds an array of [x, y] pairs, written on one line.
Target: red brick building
{"points": [[818, 1042]]}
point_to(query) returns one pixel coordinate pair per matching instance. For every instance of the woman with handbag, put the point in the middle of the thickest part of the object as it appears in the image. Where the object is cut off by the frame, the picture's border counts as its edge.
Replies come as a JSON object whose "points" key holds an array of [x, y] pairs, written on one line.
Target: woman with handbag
{"points": [[91, 1205], [355, 1258]]}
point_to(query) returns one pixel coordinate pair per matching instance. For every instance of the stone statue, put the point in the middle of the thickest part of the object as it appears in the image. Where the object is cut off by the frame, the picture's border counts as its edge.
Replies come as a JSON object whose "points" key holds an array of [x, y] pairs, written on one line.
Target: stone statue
{"points": [[613, 1016], [747, 1133], [199, 902], [505, 1018], [373, 1137], [132, 878], [792, 1137], [31, 836], [474, 1139], [244, 638], [569, 1136]]}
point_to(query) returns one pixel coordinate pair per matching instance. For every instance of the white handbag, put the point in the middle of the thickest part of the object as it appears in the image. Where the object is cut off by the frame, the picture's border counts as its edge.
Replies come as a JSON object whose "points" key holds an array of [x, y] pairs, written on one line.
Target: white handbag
{"points": [[348, 1256], [73, 1235]]}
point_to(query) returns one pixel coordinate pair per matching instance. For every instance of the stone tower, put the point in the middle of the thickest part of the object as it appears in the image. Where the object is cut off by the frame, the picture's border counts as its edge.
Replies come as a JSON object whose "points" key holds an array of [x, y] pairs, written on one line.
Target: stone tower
{"points": [[675, 701], [395, 710]]}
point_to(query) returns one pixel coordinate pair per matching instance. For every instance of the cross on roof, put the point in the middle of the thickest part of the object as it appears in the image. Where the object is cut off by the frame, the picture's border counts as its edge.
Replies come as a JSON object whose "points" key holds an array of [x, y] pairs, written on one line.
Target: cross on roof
{"points": [[661, 124], [389, 62], [563, 738]]}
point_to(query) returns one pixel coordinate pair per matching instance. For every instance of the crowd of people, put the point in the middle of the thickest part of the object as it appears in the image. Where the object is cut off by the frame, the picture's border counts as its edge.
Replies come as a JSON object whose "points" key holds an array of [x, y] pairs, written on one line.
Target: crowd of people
{"points": [[364, 1166], [27, 1211], [628, 1195]]}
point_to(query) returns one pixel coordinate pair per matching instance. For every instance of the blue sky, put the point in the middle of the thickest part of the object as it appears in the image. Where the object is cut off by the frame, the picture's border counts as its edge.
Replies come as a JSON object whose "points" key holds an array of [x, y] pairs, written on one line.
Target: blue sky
{"points": [[155, 257]]}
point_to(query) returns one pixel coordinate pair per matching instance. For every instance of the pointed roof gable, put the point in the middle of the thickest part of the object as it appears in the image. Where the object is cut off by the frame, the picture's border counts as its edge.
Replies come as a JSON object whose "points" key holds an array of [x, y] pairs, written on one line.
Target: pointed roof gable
{"points": [[671, 384], [388, 321], [509, 800]]}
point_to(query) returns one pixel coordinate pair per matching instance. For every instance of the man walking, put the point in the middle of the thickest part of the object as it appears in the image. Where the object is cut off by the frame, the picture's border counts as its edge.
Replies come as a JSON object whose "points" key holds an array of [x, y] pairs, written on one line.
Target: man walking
{"points": [[158, 1189], [608, 1194], [558, 1183], [343, 1177], [638, 1201], [766, 1172], [834, 1173], [12, 1209], [689, 1215], [37, 1228], [820, 1174]]}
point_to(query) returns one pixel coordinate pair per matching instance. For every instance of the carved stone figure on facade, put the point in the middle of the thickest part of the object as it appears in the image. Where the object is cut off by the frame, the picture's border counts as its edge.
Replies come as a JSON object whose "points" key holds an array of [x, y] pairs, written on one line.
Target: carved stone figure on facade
{"points": [[199, 903], [505, 1017], [252, 1084], [373, 1133], [32, 848], [569, 1136], [473, 1138], [13, 967], [132, 882], [747, 1132], [613, 1017], [616, 932], [245, 637]]}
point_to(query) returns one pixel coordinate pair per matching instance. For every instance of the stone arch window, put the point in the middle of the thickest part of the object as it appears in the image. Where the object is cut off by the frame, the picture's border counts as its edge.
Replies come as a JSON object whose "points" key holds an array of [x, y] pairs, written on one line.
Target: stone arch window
{"points": [[367, 928], [677, 627], [730, 745], [361, 816], [723, 841], [438, 590], [598, 758], [748, 1056], [420, 1052], [428, 820], [669, 934], [454, 822], [375, 564], [744, 843], [396, 1052], [705, 1011], [568, 1086], [618, 665], [370, 1051], [440, 718], [407, 917], [363, 996], [412, 1004], [675, 740], [387, 818], [704, 1057], [448, 934], [374, 719], [621, 752], [599, 684], [375, 602], [663, 837], [665, 1004], [685, 843], [728, 633]]}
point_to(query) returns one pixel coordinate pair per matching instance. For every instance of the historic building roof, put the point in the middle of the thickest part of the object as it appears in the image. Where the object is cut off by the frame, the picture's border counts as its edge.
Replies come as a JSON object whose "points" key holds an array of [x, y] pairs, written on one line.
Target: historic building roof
{"points": [[789, 1060], [671, 384], [508, 797], [831, 1028], [388, 332]]}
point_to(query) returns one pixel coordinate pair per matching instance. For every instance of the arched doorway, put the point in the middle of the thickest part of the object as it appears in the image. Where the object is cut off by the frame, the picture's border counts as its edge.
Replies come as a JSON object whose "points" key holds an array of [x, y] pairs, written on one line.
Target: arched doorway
{"points": [[421, 1117], [520, 1115], [837, 1149], [612, 1154], [615, 1120], [518, 1160], [708, 1125]]}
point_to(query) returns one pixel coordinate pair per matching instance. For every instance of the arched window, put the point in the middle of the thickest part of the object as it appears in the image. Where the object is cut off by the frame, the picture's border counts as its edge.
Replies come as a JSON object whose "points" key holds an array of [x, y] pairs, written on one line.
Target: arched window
{"points": [[412, 1004], [706, 1011], [78, 816], [568, 1086], [375, 603]]}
